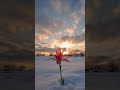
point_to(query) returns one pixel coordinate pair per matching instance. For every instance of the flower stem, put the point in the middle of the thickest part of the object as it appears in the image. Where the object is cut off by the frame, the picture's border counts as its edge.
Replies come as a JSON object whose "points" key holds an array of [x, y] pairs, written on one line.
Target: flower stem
{"points": [[62, 81]]}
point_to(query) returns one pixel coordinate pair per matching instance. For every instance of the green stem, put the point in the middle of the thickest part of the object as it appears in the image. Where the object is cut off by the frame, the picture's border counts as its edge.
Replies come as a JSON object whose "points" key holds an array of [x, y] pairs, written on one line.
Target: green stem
{"points": [[61, 75]]}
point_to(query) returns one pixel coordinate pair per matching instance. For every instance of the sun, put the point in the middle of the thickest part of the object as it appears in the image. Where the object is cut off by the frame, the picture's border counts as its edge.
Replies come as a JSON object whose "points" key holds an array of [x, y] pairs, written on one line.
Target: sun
{"points": [[65, 45]]}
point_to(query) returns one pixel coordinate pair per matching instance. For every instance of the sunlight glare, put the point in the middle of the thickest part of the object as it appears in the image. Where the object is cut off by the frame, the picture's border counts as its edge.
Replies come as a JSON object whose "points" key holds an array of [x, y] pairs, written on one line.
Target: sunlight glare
{"points": [[65, 45]]}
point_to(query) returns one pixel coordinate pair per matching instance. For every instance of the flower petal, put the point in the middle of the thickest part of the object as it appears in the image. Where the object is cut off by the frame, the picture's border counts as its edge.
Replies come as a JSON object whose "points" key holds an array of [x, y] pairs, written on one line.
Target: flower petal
{"points": [[62, 51], [65, 60]]}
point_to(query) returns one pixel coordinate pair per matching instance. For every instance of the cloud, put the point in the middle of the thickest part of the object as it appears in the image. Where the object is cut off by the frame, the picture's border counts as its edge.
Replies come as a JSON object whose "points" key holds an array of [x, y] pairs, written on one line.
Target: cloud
{"points": [[56, 19], [96, 3], [15, 46], [70, 30], [97, 10], [103, 32], [52, 26], [47, 19], [102, 28], [116, 10], [17, 25], [83, 30], [89, 13], [44, 49], [17, 13], [72, 39], [56, 5], [102, 22], [103, 49], [103, 38]]}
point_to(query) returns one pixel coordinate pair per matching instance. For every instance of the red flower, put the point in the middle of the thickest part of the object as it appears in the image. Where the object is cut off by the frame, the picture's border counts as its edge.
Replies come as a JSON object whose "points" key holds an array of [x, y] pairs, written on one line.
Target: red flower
{"points": [[59, 56]]}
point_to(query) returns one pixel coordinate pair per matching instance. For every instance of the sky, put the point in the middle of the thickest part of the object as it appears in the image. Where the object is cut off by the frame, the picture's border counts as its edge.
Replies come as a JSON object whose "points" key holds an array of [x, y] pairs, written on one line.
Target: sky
{"points": [[59, 23], [102, 28], [17, 33]]}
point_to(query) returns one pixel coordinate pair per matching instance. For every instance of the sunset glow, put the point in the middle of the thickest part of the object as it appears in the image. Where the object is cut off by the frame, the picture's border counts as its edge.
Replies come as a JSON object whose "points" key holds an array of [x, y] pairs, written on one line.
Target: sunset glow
{"points": [[65, 45], [59, 24], [65, 52]]}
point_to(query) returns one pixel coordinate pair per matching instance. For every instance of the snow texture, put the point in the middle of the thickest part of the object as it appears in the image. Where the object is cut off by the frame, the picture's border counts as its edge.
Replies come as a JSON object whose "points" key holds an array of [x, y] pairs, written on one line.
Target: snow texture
{"points": [[47, 75]]}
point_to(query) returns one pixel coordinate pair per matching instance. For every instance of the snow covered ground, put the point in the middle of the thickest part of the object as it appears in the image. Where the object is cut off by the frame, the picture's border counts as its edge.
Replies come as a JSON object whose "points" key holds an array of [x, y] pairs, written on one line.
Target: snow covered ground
{"points": [[47, 74]]}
